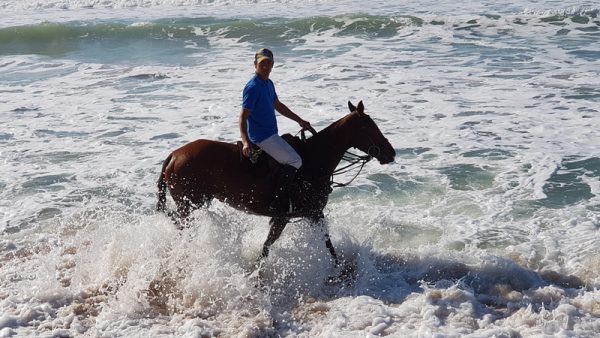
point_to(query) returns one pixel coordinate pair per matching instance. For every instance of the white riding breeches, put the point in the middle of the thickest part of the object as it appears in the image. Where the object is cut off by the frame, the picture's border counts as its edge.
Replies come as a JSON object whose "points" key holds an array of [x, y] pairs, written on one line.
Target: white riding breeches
{"points": [[281, 151]]}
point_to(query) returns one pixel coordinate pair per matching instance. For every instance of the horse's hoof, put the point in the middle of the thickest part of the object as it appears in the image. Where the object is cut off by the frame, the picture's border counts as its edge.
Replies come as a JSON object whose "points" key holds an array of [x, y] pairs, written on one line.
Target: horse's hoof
{"points": [[345, 275], [257, 277]]}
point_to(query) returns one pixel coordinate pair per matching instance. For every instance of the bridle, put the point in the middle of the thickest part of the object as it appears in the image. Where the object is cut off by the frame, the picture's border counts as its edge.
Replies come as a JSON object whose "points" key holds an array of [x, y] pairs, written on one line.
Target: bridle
{"points": [[352, 159], [373, 149]]}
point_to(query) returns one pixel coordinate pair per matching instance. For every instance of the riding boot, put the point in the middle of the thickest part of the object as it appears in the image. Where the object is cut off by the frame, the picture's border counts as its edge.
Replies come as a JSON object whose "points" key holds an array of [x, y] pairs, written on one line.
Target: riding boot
{"points": [[281, 203]]}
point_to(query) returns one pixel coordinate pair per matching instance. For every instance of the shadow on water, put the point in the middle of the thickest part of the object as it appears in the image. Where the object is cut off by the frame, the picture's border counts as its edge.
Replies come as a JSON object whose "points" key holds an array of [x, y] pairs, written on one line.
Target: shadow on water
{"points": [[567, 184], [468, 177], [382, 273]]}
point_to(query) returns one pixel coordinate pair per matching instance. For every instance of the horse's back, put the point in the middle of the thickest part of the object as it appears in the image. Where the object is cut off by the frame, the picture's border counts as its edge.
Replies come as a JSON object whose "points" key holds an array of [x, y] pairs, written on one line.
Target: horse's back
{"points": [[204, 169], [203, 146], [201, 155]]}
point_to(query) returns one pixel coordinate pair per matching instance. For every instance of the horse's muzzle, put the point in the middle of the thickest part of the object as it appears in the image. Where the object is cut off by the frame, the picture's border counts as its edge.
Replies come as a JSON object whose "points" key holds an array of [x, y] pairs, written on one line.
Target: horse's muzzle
{"points": [[387, 157], [385, 160]]}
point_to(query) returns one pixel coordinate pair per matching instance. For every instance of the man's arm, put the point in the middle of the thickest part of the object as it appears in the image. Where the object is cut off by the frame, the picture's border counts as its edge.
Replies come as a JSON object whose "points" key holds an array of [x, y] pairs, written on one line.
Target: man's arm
{"points": [[285, 111], [244, 131]]}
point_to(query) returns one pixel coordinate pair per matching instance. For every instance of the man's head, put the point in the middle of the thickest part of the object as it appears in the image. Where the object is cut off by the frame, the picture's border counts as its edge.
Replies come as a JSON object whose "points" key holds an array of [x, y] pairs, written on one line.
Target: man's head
{"points": [[263, 54], [263, 61]]}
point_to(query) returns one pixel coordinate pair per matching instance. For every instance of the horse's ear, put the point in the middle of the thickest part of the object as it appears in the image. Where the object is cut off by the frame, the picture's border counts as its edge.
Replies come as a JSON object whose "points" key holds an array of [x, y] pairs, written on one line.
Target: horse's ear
{"points": [[360, 108], [351, 107]]}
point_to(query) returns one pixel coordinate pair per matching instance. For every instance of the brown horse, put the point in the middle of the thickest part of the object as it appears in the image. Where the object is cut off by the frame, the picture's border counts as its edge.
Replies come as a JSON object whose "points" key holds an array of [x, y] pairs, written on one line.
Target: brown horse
{"points": [[204, 169]]}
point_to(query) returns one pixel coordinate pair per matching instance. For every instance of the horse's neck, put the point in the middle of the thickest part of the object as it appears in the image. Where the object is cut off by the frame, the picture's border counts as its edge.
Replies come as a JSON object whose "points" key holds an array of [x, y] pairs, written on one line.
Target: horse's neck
{"points": [[331, 143]]}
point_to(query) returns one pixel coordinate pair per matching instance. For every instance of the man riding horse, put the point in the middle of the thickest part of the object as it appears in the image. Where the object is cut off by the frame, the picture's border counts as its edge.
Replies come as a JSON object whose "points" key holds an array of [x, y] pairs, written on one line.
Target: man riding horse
{"points": [[258, 125], [203, 170]]}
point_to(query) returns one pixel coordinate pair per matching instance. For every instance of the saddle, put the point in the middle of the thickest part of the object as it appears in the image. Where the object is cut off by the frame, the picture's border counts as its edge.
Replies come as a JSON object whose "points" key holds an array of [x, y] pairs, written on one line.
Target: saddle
{"points": [[303, 190], [261, 164]]}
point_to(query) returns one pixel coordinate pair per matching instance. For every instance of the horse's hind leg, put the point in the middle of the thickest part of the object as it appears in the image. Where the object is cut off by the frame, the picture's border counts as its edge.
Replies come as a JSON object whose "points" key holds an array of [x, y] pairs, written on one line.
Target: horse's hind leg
{"points": [[184, 208], [181, 217], [277, 225], [182, 214]]}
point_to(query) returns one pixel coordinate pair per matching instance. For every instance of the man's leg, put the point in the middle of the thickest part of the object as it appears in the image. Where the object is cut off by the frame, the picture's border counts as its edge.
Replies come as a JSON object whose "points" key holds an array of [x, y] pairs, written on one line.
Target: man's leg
{"points": [[283, 153]]}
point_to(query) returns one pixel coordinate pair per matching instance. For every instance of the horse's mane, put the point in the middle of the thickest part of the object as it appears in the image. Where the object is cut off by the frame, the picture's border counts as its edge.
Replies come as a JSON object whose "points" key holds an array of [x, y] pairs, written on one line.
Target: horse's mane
{"points": [[328, 130]]}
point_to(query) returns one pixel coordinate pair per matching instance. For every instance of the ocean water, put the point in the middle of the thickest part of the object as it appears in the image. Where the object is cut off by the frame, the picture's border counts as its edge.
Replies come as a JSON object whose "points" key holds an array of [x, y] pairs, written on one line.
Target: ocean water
{"points": [[486, 225]]}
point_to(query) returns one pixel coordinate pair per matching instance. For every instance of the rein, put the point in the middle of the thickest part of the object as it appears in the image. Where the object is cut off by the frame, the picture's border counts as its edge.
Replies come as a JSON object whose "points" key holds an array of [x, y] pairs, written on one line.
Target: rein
{"points": [[353, 160], [349, 157]]}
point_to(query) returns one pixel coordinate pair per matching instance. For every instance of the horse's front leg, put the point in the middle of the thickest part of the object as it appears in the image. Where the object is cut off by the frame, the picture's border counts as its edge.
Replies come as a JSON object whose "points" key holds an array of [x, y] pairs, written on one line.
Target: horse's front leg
{"points": [[277, 225], [320, 221]]}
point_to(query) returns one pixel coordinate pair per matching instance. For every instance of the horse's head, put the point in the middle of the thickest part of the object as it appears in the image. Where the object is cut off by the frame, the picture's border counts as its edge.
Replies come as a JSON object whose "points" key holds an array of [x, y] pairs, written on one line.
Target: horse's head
{"points": [[367, 137]]}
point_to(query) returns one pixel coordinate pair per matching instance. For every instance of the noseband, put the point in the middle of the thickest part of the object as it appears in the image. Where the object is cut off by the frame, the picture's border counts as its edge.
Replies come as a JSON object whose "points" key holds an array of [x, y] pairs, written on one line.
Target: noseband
{"points": [[374, 150]]}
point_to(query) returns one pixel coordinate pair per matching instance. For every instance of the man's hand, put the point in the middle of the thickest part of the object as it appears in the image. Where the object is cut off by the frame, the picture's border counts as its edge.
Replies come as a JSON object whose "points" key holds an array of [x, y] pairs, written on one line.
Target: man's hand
{"points": [[246, 149], [244, 132], [304, 124]]}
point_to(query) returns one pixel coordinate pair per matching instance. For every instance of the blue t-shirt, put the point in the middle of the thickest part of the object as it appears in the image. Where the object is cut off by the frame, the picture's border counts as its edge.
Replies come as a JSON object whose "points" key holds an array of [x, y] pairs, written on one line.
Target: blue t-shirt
{"points": [[259, 97]]}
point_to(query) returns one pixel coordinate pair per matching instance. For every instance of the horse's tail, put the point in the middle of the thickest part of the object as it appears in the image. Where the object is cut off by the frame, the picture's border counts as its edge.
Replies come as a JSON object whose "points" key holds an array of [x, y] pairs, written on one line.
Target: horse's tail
{"points": [[162, 187]]}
